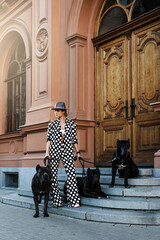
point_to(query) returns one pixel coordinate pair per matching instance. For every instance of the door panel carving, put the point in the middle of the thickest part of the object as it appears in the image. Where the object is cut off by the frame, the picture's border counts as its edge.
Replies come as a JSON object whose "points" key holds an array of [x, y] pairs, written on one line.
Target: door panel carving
{"points": [[148, 59], [111, 90], [146, 72], [149, 136], [113, 81]]}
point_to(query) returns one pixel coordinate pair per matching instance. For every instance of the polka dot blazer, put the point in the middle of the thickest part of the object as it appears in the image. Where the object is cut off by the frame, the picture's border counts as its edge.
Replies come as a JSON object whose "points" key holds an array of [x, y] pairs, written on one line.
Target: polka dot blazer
{"points": [[59, 148]]}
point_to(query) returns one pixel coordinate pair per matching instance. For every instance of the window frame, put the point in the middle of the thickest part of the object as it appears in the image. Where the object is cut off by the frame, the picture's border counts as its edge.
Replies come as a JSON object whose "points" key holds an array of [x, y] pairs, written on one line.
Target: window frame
{"points": [[15, 117]]}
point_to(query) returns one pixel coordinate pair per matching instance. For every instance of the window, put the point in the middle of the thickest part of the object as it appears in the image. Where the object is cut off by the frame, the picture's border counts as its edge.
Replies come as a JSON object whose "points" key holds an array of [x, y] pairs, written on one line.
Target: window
{"points": [[16, 89], [11, 180], [115, 13]]}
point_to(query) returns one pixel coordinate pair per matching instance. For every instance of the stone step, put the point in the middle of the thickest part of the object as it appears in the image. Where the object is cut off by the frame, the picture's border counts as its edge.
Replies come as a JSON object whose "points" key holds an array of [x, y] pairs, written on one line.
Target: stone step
{"points": [[89, 213], [145, 181], [141, 192], [146, 172], [151, 192], [123, 203], [125, 217], [144, 192], [139, 181]]}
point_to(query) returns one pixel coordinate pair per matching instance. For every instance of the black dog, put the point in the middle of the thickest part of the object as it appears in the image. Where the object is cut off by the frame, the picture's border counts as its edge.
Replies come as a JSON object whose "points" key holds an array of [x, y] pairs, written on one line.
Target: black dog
{"points": [[89, 186], [41, 183], [124, 163]]}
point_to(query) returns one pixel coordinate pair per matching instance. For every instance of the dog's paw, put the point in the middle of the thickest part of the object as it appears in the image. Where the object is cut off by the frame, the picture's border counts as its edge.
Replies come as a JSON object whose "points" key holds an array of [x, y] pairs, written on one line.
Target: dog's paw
{"points": [[36, 215], [108, 197], [46, 215], [127, 186]]}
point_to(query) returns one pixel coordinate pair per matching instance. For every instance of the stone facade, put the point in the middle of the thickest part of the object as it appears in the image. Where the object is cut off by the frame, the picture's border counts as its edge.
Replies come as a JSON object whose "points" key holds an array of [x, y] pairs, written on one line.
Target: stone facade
{"points": [[59, 67]]}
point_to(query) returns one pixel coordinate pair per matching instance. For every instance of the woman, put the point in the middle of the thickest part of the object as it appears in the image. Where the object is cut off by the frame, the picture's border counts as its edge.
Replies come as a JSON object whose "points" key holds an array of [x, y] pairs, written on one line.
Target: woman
{"points": [[61, 140]]}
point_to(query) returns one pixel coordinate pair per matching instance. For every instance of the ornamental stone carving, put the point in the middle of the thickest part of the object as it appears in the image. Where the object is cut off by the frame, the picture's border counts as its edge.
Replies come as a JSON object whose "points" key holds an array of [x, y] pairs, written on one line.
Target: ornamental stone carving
{"points": [[42, 42]]}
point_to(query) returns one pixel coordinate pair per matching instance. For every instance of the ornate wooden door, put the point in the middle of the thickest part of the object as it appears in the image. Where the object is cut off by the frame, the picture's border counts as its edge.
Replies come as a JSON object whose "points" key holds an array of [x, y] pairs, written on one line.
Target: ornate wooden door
{"points": [[127, 81], [145, 90]]}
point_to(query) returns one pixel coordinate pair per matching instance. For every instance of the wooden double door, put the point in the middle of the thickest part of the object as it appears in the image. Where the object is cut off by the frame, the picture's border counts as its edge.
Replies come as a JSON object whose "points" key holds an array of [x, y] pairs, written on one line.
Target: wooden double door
{"points": [[127, 82]]}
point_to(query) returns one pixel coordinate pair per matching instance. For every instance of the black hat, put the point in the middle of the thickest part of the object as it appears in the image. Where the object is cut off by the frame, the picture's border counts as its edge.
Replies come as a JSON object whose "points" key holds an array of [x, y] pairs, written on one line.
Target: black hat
{"points": [[59, 106]]}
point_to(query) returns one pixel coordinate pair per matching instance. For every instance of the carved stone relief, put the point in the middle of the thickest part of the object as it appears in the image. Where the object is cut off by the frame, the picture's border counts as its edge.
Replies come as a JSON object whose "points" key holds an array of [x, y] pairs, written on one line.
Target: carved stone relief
{"points": [[42, 42]]}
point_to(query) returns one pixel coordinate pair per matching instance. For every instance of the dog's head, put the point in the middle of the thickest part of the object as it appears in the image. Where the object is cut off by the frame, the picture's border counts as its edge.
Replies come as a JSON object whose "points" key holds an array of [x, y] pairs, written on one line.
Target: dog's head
{"points": [[93, 176], [122, 148], [43, 174]]}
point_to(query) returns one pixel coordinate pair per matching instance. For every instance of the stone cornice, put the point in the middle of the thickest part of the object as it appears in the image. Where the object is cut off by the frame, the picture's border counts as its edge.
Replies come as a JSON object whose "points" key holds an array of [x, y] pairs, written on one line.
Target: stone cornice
{"points": [[24, 130], [75, 37]]}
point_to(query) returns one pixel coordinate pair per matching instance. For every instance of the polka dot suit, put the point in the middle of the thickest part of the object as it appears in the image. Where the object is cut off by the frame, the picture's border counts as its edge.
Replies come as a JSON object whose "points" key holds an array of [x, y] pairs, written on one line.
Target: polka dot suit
{"points": [[63, 150]]}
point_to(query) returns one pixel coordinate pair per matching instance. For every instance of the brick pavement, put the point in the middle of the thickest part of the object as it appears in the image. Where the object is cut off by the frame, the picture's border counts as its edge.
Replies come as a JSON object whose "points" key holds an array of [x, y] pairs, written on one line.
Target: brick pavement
{"points": [[17, 223]]}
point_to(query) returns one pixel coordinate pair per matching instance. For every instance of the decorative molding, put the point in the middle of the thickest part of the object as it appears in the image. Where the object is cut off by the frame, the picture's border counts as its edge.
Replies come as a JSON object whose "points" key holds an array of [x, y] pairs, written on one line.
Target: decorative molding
{"points": [[156, 106], [19, 27], [114, 51], [130, 26], [42, 42], [28, 62], [150, 36], [76, 37], [13, 147]]}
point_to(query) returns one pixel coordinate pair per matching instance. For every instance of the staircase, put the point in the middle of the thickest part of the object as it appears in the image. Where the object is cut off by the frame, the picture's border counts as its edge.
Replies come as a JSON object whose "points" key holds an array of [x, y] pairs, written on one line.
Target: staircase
{"points": [[140, 204]]}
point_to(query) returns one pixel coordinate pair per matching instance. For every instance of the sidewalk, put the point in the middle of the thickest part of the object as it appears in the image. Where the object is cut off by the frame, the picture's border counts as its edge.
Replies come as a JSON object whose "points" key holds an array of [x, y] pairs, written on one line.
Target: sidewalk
{"points": [[17, 223]]}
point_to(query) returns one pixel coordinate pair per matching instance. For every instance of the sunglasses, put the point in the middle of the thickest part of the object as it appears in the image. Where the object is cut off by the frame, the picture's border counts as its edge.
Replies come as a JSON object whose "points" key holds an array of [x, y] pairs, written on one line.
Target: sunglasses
{"points": [[57, 110]]}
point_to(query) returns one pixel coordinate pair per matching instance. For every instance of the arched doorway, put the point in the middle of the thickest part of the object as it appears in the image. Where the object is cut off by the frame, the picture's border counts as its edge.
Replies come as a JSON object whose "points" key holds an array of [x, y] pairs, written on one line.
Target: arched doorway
{"points": [[16, 86], [127, 57], [15, 50]]}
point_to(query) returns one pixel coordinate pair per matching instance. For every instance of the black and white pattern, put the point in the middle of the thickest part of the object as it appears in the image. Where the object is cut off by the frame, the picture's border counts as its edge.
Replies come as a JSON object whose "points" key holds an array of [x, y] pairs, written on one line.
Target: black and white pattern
{"points": [[55, 137], [63, 150]]}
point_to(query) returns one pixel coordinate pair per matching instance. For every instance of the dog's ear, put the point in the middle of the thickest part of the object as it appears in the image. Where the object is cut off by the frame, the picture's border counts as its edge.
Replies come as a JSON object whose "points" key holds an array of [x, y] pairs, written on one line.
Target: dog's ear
{"points": [[98, 170], [37, 167], [48, 166], [88, 170]]}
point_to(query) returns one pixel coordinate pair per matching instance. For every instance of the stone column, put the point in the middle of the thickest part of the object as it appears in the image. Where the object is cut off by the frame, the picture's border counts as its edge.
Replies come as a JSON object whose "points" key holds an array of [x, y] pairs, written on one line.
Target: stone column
{"points": [[77, 76], [38, 110], [79, 93]]}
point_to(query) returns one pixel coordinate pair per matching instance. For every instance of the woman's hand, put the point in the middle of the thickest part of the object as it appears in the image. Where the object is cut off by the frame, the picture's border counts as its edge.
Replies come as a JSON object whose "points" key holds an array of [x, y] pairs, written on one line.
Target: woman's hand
{"points": [[78, 154], [46, 157]]}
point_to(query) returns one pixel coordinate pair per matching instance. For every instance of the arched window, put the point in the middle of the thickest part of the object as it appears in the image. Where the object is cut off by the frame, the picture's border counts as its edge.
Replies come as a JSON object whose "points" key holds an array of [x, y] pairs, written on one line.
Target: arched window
{"points": [[16, 89], [115, 13]]}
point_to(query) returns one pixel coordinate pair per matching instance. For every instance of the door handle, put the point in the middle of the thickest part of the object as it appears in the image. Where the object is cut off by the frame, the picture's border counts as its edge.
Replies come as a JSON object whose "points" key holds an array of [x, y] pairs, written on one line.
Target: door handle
{"points": [[125, 107], [133, 106]]}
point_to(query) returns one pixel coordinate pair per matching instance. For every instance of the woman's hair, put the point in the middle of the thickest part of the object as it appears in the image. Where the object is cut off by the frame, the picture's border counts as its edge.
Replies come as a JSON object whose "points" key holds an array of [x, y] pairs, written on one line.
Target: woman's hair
{"points": [[65, 113]]}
